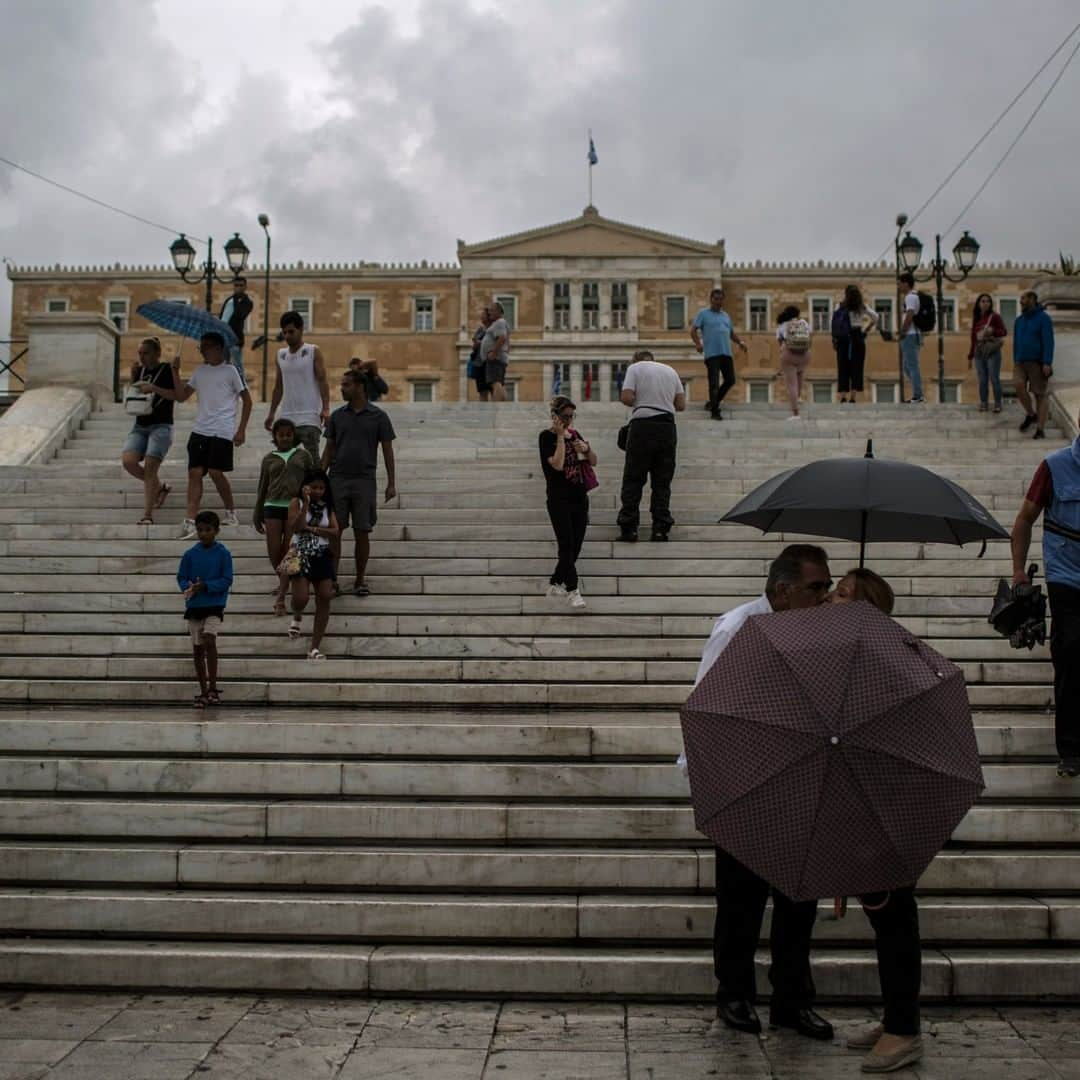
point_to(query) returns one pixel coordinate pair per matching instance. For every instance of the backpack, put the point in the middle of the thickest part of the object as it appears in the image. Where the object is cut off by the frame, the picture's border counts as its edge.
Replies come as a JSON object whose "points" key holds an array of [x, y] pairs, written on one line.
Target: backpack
{"points": [[841, 323], [797, 336], [926, 316]]}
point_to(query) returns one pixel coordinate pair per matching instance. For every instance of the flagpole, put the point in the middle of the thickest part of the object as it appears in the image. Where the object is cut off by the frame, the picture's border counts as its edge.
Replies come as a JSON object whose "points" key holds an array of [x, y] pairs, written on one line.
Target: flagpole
{"points": [[590, 168]]}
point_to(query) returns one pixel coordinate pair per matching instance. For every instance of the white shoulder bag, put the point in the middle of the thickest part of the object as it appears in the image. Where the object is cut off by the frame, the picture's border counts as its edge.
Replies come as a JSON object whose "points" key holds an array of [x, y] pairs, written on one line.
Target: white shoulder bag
{"points": [[136, 403]]}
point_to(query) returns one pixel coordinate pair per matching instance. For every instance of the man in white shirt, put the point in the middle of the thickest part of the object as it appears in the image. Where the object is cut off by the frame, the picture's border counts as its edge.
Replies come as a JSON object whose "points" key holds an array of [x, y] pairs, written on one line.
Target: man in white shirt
{"points": [[911, 338], [655, 394], [215, 431], [798, 578], [301, 388]]}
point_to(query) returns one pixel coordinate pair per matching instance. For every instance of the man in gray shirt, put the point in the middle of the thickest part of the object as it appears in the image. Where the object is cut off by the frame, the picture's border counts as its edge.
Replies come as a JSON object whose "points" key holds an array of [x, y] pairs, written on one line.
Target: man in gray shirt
{"points": [[495, 351], [655, 394], [354, 434]]}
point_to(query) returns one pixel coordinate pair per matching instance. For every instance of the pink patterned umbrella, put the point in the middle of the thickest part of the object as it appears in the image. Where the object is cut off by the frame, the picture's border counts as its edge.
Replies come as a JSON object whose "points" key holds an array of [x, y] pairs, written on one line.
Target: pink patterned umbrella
{"points": [[831, 751]]}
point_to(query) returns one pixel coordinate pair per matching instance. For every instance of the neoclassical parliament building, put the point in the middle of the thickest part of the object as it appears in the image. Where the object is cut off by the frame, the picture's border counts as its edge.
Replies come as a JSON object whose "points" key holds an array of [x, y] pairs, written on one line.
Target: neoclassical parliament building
{"points": [[581, 296]]}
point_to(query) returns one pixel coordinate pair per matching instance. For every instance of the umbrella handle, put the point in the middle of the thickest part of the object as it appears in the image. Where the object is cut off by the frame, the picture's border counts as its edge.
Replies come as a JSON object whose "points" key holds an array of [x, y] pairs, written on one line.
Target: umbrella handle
{"points": [[840, 906]]}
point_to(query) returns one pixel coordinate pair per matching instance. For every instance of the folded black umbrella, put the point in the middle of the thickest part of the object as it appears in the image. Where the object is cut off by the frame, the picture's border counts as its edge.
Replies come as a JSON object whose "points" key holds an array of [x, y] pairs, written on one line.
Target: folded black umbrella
{"points": [[869, 500]]}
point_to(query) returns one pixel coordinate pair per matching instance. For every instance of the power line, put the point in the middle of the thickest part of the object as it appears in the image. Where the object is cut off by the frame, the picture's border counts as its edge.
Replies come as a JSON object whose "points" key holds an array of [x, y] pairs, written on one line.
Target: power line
{"points": [[1012, 145], [989, 131], [97, 202]]}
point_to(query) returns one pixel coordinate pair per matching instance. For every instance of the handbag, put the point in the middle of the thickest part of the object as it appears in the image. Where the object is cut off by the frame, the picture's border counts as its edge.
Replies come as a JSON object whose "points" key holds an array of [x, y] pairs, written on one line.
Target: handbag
{"points": [[291, 565], [624, 434], [588, 476], [988, 347], [137, 403]]}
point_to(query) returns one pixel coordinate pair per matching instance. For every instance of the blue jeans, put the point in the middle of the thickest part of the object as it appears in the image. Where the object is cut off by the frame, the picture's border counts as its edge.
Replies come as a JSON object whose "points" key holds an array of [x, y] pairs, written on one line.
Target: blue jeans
{"points": [[236, 358], [909, 350], [988, 370]]}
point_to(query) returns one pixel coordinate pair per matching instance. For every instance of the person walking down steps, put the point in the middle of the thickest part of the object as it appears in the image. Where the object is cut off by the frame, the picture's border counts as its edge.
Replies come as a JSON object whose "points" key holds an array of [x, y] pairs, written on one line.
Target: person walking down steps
{"points": [[568, 462]]}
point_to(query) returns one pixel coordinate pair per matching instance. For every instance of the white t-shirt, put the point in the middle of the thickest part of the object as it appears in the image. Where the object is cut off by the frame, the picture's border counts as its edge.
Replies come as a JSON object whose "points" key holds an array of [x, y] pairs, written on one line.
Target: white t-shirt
{"points": [[911, 303], [219, 386], [301, 398], [655, 387]]}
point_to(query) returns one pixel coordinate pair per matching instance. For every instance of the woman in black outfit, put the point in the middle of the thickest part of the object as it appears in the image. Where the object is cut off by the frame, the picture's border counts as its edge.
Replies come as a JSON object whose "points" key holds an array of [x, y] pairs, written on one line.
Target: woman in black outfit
{"points": [[563, 455], [851, 325]]}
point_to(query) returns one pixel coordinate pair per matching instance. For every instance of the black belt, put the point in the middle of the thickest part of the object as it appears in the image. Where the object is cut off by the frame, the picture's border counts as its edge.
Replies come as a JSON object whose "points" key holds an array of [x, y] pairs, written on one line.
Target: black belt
{"points": [[1051, 526], [664, 417]]}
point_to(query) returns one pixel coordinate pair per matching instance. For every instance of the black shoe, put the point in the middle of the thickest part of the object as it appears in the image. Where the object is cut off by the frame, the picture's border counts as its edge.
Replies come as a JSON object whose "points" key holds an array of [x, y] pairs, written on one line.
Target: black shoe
{"points": [[1039, 433], [739, 1015], [657, 535], [1069, 768], [804, 1021], [1028, 421], [718, 415], [628, 536]]}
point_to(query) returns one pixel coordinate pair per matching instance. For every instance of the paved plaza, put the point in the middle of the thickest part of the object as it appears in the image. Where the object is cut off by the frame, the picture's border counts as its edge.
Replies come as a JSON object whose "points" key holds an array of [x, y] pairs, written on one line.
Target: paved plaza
{"points": [[98, 1036]]}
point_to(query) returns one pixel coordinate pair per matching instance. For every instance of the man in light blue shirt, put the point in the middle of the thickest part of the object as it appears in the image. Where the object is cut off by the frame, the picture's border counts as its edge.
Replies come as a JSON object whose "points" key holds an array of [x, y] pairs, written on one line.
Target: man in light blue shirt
{"points": [[712, 333]]}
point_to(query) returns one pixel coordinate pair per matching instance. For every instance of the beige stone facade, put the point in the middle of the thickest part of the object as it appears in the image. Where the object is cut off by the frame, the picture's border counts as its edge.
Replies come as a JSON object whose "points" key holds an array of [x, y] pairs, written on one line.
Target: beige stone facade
{"points": [[582, 295]]}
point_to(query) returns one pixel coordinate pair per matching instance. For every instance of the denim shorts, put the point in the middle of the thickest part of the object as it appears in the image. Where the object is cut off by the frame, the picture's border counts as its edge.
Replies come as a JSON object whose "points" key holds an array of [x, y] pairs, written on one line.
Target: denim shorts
{"points": [[149, 442]]}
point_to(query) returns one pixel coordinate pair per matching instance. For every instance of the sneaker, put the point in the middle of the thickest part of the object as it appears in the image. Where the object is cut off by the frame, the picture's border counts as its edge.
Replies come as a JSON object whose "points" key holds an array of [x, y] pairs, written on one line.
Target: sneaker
{"points": [[907, 1053], [1039, 433], [576, 599], [556, 591], [983, 406], [866, 1039], [627, 536], [717, 415], [1069, 768], [187, 530], [230, 518], [658, 535], [1028, 421], [917, 401], [795, 416]]}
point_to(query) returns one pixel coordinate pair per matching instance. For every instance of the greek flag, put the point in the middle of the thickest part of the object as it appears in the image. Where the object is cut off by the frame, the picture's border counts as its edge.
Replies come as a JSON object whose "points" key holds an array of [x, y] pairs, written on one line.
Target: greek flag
{"points": [[556, 381], [593, 159]]}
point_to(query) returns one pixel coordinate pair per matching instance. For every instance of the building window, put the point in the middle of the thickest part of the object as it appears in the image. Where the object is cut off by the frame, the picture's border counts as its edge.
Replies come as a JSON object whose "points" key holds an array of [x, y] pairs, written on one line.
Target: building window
{"points": [[951, 392], [509, 306], [560, 380], [620, 305], [590, 305], [562, 305], [361, 314], [117, 310], [948, 314], [757, 313], [423, 313], [759, 391], [820, 314], [822, 392], [56, 307], [422, 392], [618, 373], [303, 307], [590, 382], [1009, 309], [883, 309], [674, 312], [885, 393]]}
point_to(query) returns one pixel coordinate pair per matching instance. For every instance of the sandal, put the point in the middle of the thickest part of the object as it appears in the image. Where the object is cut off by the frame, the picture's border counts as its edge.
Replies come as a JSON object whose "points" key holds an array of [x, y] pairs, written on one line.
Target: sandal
{"points": [[201, 701], [163, 493], [316, 655], [360, 588], [279, 605], [295, 627], [213, 697], [145, 521]]}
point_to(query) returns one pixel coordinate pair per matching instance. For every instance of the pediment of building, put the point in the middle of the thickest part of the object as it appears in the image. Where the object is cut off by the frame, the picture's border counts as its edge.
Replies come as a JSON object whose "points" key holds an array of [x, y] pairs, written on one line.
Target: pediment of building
{"points": [[591, 234]]}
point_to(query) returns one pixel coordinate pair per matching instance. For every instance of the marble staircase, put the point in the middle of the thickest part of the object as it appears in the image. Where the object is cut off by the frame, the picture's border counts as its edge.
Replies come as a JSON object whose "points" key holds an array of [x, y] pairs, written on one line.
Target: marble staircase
{"points": [[475, 794]]}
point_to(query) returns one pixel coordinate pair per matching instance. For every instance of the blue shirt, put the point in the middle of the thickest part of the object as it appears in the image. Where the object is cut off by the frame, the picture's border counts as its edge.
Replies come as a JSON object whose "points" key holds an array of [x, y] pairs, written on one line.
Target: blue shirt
{"points": [[211, 565], [1033, 337], [715, 327]]}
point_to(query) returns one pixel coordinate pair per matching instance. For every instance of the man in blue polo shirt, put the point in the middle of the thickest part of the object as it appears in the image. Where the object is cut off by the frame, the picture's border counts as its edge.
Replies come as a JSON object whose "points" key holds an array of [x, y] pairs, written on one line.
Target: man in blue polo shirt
{"points": [[712, 333]]}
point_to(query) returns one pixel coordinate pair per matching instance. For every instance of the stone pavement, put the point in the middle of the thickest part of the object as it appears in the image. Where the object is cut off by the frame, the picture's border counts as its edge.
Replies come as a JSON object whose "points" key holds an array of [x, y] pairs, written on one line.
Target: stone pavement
{"points": [[93, 1036]]}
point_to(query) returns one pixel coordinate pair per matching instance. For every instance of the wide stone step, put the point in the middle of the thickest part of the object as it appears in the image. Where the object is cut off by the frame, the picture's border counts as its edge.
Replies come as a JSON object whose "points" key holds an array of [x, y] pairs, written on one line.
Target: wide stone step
{"points": [[492, 822], [643, 919], [356, 733], [525, 869]]}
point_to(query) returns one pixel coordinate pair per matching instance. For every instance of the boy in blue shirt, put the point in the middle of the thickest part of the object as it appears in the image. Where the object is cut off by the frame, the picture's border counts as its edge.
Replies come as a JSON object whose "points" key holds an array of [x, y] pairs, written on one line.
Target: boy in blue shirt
{"points": [[205, 577]]}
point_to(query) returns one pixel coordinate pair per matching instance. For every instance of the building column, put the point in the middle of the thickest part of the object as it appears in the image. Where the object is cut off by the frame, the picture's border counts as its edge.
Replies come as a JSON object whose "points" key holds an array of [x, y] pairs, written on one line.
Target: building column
{"points": [[631, 306], [463, 382], [576, 382], [605, 382], [575, 305], [549, 377], [605, 305], [549, 304]]}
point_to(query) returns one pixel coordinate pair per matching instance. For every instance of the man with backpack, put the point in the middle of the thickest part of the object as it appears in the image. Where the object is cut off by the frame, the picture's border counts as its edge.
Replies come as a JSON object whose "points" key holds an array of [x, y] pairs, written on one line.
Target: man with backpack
{"points": [[919, 318]]}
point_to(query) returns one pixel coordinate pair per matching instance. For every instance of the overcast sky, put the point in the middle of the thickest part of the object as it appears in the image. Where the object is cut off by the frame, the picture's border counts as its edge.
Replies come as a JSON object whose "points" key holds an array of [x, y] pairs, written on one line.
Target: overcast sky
{"points": [[385, 131]]}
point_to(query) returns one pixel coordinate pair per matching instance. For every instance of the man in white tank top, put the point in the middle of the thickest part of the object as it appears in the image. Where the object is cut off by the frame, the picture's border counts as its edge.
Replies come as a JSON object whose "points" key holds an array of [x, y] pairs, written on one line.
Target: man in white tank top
{"points": [[301, 388]]}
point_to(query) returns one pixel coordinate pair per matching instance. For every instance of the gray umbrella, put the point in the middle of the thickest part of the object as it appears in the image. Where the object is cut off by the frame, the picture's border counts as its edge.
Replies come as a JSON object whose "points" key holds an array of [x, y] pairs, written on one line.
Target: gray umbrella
{"points": [[868, 500]]}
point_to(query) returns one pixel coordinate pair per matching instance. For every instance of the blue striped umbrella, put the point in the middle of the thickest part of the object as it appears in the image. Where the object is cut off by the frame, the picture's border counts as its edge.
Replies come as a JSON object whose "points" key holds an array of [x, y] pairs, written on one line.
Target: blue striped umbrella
{"points": [[186, 320]]}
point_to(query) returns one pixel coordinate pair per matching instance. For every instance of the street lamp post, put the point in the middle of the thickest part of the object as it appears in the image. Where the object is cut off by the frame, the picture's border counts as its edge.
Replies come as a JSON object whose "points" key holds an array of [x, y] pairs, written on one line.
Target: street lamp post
{"points": [[183, 257], [264, 221], [901, 221], [965, 253]]}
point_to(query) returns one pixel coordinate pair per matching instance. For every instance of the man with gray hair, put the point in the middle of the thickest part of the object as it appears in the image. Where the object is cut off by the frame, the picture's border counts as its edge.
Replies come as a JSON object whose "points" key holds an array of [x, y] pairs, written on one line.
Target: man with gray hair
{"points": [[798, 578], [495, 351]]}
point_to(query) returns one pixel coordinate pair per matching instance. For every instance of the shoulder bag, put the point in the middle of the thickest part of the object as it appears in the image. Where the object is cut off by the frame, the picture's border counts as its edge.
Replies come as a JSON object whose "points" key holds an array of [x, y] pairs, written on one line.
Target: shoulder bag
{"points": [[137, 403]]}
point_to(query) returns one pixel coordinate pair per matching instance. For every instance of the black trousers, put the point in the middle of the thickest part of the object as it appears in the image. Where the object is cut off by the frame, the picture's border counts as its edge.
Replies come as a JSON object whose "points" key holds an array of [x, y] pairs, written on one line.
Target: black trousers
{"points": [[850, 362], [1065, 654], [895, 919], [740, 906], [650, 455], [717, 366], [569, 520]]}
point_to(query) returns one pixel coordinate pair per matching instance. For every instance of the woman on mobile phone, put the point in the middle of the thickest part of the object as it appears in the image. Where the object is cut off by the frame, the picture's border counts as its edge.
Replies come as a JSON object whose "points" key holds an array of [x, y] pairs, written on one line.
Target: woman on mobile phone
{"points": [[313, 524], [568, 462]]}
